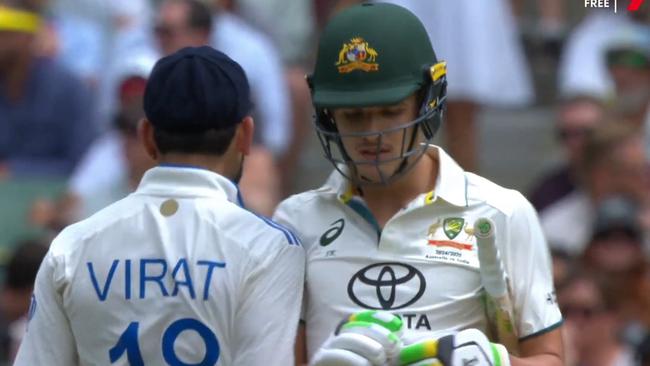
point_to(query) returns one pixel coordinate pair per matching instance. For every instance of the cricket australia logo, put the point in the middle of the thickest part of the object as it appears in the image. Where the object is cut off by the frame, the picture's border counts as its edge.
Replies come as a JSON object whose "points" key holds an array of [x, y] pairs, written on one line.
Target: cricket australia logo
{"points": [[453, 226], [357, 55]]}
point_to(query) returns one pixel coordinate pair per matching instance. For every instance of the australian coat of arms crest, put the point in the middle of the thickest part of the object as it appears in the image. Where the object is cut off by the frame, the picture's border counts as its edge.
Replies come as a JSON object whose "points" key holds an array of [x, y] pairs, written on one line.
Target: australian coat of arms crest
{"points": [[357, 55]]}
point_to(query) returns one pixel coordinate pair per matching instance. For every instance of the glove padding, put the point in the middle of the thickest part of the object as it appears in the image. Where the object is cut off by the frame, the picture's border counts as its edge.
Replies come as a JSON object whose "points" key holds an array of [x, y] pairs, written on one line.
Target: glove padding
{"points": [[368, 338], [467, 347]]}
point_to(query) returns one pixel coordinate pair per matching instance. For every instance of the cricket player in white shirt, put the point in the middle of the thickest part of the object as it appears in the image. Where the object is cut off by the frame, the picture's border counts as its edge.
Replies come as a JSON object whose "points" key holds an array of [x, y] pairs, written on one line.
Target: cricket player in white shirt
{"points": [[177, 273], [393, 227]]}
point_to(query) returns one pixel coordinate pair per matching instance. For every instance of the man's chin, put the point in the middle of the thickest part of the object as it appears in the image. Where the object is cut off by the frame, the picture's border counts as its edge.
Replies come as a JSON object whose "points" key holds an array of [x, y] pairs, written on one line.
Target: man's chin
{"points": [[375, 175]]}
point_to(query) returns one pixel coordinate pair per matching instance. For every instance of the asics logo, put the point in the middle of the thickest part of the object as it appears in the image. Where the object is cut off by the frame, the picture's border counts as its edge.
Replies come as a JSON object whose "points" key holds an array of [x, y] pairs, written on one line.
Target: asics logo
{"points": [[336, 228]]}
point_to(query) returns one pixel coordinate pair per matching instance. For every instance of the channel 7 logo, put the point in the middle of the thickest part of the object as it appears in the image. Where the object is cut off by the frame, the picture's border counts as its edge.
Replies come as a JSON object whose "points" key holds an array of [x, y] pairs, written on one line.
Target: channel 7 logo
{"points": [[634, 5]]}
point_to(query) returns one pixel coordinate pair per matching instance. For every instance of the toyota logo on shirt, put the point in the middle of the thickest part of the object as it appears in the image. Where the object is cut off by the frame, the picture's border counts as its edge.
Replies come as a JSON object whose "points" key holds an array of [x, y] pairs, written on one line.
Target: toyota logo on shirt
{"points": [[386, 286]]}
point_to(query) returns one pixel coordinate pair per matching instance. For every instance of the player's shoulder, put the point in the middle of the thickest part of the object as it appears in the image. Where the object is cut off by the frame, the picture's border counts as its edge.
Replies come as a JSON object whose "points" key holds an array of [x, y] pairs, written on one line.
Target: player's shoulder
{"points": [[71, 237], [304, 211], [262, 240], [247, 228], [267, 227], [506, 200], [304, 201]]}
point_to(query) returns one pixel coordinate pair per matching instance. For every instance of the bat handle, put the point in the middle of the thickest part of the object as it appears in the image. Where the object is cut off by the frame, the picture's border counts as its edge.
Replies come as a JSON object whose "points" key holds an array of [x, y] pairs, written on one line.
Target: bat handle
{"points": [[491, 266], [484, 228]]}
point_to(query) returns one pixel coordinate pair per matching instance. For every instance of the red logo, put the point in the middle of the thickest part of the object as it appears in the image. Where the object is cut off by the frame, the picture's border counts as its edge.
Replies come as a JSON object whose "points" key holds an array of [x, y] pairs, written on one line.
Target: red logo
{"points": [[634, 5], [451, 244]]}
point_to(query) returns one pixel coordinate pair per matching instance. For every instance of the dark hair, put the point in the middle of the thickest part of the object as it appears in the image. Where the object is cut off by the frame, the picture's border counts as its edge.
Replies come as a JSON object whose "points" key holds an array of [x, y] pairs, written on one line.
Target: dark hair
{"points": [[24, 264], [211, 142], [199, 15]]}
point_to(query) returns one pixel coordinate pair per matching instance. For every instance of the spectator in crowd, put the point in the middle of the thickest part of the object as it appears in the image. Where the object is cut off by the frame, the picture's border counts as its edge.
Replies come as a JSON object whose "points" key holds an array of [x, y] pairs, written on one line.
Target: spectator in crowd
{"points": [[563, 267], [190, 23], [106, 172], [16, 293], [102, 175], [549, 26], [616, 243], [628, 62], [637, 329], [615, 255], [94, 36], [136, 163], [614, 163], [78, 44], [592, 325], [576, 118], [43, 131], [105, 164], [262, 63], [583, 67], [182, 23], [294, 38], [480, 42]]}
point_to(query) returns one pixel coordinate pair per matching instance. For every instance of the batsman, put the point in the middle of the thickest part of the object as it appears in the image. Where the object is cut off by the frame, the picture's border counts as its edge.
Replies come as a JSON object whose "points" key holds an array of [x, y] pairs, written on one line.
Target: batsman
{"points": [[390, 237]]}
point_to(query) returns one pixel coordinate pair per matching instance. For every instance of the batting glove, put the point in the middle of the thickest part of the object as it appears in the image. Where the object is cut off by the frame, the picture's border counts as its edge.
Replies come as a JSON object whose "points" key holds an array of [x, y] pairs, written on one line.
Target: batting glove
{"points": [[467, 347], [367, 338]]}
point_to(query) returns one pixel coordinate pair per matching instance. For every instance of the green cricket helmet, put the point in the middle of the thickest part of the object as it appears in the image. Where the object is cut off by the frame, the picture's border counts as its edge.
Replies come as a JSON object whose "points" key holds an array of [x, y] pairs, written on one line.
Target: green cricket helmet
{"points": [[377, 54]]}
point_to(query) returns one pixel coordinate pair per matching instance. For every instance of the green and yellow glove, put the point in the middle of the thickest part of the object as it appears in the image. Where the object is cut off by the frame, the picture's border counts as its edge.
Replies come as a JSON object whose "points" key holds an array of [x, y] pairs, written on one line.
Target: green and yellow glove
{"points": [[374, 338], [467, 347], [367, 338]]}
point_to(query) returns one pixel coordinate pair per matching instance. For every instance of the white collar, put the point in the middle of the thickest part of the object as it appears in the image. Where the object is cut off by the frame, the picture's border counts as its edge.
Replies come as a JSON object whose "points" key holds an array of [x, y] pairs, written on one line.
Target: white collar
{"points": [[451, 183], [188, 181]]}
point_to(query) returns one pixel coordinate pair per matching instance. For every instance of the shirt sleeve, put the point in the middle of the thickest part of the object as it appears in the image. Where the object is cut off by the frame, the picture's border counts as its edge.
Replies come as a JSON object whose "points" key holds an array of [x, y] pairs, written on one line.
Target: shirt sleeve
{"points": [[528, 262], [49, 339], [283, 217], [267, 319]]}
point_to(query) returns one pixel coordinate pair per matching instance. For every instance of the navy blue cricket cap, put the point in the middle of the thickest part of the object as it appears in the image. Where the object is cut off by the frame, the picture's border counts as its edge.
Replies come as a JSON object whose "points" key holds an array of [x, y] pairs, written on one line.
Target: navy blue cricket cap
{"points": [[196, 89]]}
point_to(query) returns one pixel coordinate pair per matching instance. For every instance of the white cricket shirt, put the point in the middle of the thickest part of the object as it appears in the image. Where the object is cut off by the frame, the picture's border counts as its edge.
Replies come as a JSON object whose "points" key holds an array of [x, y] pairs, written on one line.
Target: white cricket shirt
{"points": [[423, 265], [176, 273]]}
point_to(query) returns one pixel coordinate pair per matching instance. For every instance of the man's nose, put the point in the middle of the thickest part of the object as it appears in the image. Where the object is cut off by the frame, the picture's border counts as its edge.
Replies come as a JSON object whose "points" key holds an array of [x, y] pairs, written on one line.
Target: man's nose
{"points": [[372, 138], [373, 124]]}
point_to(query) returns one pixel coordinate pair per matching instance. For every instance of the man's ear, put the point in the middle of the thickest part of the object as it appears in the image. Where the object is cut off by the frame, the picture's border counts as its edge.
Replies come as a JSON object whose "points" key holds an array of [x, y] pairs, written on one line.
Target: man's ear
{"points": [[146, 136], [244, 135]]}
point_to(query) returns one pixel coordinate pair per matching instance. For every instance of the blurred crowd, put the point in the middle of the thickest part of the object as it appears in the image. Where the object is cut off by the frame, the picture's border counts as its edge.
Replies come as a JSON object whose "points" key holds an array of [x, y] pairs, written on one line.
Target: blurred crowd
{"points": [[73, 73]]}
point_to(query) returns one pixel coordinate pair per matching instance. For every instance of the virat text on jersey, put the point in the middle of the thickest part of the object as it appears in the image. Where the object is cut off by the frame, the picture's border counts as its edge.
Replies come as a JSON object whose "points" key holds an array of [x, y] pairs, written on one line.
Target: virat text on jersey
{"points": [[155, 274]]}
